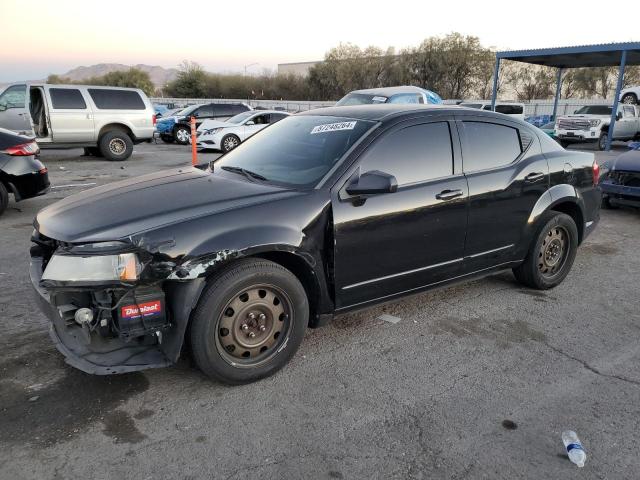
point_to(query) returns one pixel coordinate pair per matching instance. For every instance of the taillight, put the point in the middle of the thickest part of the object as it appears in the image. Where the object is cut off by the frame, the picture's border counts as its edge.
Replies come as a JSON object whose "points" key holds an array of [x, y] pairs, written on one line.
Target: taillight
{"points": [[24, 149], [596, 173], [154, 119]]}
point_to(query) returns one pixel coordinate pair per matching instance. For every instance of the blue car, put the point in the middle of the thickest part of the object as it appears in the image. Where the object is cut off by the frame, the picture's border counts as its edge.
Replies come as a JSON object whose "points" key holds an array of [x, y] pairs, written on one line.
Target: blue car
{"points": [[621, 184]]}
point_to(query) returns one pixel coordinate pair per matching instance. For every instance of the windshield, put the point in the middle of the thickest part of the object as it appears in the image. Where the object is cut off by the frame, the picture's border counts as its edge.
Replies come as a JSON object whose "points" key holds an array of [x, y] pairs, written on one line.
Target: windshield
{"points": [[186, 110], [241, 117], [471, 105], [594, 110], [360, 99], [297, 151]]}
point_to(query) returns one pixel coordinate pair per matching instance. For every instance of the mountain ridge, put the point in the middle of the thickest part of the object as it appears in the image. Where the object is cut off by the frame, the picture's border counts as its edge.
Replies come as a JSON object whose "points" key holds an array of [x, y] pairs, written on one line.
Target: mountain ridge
{"points": [[160, 76]]}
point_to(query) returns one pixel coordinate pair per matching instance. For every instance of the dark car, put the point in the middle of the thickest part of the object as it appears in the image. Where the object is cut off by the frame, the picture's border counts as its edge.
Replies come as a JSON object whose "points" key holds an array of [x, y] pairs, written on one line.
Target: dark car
{"points": [[324, 212], [177, 127], [621, 184], [21, 172]]}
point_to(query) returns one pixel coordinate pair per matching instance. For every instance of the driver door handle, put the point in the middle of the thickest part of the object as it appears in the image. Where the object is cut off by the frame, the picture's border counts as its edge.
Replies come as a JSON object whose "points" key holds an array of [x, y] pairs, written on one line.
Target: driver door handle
{"points": [[449, 194]]}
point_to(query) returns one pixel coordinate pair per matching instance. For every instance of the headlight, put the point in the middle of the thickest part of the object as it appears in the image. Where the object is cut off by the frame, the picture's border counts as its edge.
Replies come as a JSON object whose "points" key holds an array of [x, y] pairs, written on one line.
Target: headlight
{"points": [[77, 268], [211, 131], [594, 123]]}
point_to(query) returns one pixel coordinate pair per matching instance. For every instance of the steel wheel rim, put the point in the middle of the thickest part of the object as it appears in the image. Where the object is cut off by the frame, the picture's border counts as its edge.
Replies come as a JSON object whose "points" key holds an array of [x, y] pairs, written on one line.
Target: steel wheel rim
{"points": [[230, 143], [182, 135], [117, 146], [253, 325], [628, 99], [553, 251]]}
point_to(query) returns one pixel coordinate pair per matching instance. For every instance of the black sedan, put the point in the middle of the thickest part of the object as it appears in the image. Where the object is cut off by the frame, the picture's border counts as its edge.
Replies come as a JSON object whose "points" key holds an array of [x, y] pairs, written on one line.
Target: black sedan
{"points": [[21, 173], [325, 212]]}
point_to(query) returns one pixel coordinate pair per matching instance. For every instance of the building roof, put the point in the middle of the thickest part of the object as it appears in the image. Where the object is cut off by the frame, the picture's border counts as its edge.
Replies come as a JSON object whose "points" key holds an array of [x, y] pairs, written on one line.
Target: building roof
{"points": [[601, 55]]}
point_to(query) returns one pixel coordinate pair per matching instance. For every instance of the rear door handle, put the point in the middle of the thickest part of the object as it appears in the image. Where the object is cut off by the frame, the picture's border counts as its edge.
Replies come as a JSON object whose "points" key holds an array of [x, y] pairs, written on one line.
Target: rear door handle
{"points": [[534, 177], [448, 194]]}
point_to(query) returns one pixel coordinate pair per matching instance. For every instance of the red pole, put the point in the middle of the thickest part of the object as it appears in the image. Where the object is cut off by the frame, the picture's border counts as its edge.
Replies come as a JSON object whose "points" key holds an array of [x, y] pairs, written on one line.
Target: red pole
{"points": [[194, 150]]}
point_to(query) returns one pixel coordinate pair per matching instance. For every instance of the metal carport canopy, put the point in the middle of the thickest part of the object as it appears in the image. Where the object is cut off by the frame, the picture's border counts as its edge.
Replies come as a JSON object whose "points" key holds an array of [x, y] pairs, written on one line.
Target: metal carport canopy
{"points": [[603, 55]]}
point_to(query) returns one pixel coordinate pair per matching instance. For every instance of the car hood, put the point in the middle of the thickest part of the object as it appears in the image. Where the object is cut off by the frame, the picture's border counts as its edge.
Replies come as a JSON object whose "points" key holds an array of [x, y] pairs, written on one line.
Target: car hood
{"points": [[584, 115], [209, 124], [627, 162], [123, 209]]}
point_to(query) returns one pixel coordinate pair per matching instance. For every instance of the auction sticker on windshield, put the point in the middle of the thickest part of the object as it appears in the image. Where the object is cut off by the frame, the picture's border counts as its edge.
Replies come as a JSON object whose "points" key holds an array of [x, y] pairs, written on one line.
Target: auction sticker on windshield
{"points": [[333, 127]]}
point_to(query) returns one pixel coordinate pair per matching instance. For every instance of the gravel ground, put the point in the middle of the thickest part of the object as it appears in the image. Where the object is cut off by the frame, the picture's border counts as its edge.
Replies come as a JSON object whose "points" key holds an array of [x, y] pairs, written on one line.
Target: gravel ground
{"points": [[474, 381]]}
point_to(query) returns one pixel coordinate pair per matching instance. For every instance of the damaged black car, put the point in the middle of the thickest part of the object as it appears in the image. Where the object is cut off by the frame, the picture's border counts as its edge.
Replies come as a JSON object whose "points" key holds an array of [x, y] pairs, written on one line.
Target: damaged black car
{"points": [[325, 212]]}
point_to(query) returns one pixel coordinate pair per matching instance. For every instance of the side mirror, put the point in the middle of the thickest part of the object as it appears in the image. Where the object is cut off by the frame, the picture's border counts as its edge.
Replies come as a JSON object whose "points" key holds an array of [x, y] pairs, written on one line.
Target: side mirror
{"points": [[250, 122], [618, 115], [373, 182]]}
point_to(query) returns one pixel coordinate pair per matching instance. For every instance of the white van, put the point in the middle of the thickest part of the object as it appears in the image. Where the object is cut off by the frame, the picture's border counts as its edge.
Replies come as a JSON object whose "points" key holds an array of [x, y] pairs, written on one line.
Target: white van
{"points": [[512, 109], [107, 121]]}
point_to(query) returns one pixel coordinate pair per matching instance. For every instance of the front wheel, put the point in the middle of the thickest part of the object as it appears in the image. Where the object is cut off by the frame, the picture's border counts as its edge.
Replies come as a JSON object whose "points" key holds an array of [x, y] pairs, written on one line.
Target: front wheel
{"points": [[116, 146], [630, 99], [602, 141], [551, 256], [249, 321], [182, 135], [229, 142]]}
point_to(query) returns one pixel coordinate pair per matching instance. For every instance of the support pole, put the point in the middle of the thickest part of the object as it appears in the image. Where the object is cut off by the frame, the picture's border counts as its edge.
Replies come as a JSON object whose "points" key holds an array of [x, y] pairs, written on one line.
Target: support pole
{"points": [[496, 72], [558, 92], [194, 139], [614, 110]]}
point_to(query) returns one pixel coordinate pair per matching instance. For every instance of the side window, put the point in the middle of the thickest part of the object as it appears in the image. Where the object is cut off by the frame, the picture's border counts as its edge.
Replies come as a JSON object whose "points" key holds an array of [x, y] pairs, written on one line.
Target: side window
{"points": [[509, 109], [489, 145], [629, 112], [488, 107], [223, 110], [106, 99], [276, 117], [237, 108], [14, 97], [404, 98], [67, 98], [413, 154], [261, 119], [204, 111]]}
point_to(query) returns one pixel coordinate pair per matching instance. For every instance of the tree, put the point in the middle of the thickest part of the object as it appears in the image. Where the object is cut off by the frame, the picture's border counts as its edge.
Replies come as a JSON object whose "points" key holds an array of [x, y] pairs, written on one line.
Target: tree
{"points": [[190, 83], [533, 82], [132, 78]]}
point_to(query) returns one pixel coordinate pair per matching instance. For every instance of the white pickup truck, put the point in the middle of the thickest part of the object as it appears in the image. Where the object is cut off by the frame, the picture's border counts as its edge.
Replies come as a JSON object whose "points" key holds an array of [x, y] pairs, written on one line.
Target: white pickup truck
{"points": [[591, 124]]}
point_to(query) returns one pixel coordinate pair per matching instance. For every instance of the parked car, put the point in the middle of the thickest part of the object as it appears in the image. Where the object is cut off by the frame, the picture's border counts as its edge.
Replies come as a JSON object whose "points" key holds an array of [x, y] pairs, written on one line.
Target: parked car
{"points": [[21, 172], [226, 136], [403, 94], [325, 212], [161, 110], [621, 184], [177, 128], [107, 121], [512, 109], [630, 95], [590, 124]]}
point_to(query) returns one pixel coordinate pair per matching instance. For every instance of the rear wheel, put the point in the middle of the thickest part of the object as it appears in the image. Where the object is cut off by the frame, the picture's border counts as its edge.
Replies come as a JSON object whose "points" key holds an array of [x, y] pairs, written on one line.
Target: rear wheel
{"points": [[116, 145], [182, 135], [229, 142], [630, 99], [552, 254], [4, 198], [249, 322]]}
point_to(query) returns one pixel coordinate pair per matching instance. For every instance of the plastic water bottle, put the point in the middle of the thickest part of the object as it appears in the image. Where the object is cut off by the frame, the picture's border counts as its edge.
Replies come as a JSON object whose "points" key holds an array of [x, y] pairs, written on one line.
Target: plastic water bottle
{"points": [[574, 448]]}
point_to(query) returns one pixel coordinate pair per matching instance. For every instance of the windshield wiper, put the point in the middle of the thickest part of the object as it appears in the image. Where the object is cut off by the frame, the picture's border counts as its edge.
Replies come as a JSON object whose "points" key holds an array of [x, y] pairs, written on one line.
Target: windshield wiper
{"points": [[247, 173]]}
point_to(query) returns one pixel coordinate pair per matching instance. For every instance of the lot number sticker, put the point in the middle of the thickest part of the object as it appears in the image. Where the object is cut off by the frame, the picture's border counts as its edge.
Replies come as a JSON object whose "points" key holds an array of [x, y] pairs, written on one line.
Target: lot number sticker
{"points": [[333, 127]]}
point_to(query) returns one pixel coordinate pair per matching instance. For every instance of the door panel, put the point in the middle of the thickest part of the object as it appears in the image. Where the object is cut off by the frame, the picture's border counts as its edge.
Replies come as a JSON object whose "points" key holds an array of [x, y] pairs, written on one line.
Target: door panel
{"points": [[500, 198], [395, 242], [13, 109], [70, 116]]}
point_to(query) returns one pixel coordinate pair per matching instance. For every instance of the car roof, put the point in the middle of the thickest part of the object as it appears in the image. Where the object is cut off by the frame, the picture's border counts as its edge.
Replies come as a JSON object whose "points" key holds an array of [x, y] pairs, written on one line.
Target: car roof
{"points": [[389, 91], [260, 112]]}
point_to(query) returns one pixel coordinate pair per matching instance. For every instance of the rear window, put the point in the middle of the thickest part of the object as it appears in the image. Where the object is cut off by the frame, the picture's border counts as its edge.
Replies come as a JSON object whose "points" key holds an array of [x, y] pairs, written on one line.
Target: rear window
{"points": [[67, 98], [116, 99], [237, 108], [509, 109]]}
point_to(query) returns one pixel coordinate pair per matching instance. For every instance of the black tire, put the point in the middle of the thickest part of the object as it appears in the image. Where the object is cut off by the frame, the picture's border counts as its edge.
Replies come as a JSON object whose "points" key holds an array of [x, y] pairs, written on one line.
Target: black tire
{"points": [[231, 297], [564, 143], [115, 145], [538, 270], [608, 204], [181, 134], [630, 98], [167, 138], [4, 198], [602, 141], [229, 142]]}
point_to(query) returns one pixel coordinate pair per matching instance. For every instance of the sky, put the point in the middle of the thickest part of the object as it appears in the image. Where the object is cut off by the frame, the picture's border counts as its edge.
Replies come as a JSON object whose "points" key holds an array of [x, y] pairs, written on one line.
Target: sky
{"points": [[40, 37]]}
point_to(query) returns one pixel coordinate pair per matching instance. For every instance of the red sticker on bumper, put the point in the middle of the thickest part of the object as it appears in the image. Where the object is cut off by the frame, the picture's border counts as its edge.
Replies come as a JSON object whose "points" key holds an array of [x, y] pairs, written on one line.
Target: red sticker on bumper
{"points": [[144, 309]]}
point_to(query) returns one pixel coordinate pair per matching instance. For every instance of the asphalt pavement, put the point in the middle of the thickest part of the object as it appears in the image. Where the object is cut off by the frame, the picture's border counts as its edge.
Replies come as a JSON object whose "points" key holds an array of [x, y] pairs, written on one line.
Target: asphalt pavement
{"points": [[472, 381]]}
